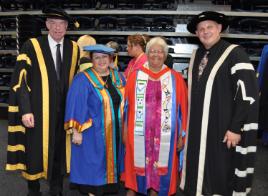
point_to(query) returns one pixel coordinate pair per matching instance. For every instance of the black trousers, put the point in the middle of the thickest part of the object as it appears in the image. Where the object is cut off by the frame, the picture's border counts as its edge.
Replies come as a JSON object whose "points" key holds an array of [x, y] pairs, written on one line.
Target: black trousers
{"points": [[55, 184], [56, 181], [34, 188]]}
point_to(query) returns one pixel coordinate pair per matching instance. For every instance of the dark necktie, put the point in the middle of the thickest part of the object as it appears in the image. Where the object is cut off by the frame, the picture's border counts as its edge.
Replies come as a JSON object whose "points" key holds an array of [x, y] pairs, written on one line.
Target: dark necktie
{"points": [[58, 61], [203, 64]]}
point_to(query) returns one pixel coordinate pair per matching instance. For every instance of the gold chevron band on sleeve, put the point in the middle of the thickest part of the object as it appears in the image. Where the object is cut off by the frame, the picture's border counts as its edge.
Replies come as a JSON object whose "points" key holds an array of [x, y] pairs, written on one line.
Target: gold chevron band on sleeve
{"points": [[17, 128], [23, 74], [16, 148], [24, 57], [13, 108], [18, 166]]}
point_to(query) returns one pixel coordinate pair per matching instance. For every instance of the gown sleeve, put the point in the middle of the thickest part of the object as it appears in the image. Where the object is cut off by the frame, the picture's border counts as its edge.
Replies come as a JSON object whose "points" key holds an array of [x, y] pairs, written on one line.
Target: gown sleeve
{"points": [[77, 111], [246, 93], [244, 120], [21, 80]]}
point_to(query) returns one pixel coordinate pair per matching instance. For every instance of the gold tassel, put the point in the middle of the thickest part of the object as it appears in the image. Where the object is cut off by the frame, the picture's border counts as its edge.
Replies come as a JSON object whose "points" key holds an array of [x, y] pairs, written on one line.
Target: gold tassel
{"points": [[116, 60]]}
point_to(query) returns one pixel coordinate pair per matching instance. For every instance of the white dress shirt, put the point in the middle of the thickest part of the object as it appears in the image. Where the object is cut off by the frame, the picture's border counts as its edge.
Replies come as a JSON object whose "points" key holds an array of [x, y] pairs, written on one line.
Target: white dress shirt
{"points": [[53, 48]]}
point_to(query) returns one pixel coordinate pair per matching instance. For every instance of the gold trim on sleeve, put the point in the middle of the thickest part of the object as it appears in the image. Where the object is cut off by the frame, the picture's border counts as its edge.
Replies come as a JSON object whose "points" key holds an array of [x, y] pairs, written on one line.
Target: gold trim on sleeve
{"points": [[17, 128], [16, 148], [23, 74], [24, 57], [14, 167], [12, 108]]}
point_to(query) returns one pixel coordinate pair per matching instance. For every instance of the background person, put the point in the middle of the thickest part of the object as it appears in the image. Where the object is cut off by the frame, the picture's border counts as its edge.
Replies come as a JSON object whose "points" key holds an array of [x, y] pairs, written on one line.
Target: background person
{"points": [[136, 45], [85, 61], [114, 45]]}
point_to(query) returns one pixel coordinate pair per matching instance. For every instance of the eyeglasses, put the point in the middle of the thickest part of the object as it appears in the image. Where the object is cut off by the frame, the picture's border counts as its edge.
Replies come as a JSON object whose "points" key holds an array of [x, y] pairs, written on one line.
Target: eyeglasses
{"points": [[156, 51], [98, 58]]}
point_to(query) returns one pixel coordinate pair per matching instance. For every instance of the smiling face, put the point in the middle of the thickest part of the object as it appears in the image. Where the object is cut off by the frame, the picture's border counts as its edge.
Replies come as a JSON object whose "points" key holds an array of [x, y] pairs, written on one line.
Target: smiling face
{"points": [[101, 63], [156, 57], [56, 28], [208, 32]]}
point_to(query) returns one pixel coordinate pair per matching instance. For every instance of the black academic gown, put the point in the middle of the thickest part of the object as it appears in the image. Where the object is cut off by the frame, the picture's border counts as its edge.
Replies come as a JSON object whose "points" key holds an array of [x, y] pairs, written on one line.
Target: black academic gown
{"points": [[227, 101], [35, 89]]}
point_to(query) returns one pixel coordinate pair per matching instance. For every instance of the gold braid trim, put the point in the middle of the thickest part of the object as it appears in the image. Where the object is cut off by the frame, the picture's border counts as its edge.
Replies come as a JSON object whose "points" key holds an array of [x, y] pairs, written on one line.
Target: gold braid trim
{"points": [[17, 166], [12, 108], [33, 177], [16, 148], [74, 62], [23, 75], [17, 128], [24, 57]]}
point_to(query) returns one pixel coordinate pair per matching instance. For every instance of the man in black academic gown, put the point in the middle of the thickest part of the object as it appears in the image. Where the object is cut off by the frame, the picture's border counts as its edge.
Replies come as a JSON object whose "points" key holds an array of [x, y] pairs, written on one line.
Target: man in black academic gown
{"points": [[36, 138], [223, 117]]}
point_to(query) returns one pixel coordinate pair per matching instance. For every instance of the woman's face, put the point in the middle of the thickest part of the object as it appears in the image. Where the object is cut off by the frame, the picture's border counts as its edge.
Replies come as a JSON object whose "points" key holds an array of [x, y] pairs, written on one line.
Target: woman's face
{"points": [[130, 49], [156, 57], [133, 50], [101, 62]]}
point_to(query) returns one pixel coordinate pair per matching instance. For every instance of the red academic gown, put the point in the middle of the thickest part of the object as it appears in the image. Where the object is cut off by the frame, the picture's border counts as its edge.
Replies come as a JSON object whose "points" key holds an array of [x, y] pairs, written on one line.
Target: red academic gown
{"points": [[168, 178]]}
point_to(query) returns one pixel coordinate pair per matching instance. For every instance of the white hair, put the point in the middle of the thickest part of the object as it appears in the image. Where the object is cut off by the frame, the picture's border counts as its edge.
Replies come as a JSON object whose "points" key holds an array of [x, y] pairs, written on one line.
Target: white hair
{"points": [[157, 41]]}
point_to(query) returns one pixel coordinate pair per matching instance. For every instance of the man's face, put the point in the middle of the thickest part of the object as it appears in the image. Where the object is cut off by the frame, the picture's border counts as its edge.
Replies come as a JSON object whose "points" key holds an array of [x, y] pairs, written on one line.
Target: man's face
{"points": [[208, 32], [56, 28]]}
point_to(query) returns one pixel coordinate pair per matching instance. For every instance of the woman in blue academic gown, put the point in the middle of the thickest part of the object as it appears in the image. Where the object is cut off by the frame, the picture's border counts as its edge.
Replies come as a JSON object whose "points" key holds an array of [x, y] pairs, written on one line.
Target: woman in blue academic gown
{"points": [[94, 118]]}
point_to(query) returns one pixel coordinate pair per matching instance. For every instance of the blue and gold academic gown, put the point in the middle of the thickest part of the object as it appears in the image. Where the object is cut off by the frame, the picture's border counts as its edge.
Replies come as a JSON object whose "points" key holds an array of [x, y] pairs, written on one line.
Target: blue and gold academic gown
{"points": [[89, 109]]}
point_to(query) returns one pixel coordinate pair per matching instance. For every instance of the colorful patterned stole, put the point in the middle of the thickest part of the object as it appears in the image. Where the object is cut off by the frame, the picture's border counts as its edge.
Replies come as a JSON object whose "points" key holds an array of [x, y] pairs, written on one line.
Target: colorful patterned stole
{"points": [[140, 114]]}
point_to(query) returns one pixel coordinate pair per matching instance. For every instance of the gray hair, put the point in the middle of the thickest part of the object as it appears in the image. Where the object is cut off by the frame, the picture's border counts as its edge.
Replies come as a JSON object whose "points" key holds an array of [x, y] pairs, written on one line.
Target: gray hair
{"points": [[157, 41]]}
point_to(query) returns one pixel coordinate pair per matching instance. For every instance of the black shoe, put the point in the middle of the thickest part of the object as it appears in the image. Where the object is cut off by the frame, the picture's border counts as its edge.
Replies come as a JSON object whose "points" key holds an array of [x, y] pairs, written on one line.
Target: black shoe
{"points": [[59, 194], [34, 194]]}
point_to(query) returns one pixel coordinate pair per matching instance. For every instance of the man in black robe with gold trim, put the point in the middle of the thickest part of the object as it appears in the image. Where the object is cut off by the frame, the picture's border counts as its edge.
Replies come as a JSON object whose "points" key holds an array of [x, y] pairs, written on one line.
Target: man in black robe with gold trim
{"points": [[36, 137], [223, 118]]}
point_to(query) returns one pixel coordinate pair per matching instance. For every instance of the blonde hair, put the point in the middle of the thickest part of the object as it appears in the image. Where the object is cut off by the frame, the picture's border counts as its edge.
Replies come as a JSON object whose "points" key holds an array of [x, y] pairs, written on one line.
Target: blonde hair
{"points": [[85, 40], [114, 45]]}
